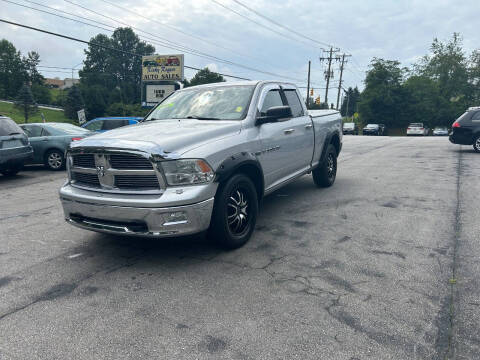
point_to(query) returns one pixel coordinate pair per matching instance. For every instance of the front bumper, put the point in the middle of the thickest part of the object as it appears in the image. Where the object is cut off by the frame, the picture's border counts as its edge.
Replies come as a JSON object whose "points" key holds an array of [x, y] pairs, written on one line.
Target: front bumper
{"points": [[91, 211]]}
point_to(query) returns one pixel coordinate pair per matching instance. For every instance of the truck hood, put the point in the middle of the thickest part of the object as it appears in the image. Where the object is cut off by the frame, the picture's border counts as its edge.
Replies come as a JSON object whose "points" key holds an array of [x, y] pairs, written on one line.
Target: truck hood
{"points": [[169, 138]]}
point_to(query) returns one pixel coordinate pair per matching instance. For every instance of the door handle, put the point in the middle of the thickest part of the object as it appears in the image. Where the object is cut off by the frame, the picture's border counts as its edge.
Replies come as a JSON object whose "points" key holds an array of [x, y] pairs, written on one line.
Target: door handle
{"points": [[308, 126], [288, 131]]}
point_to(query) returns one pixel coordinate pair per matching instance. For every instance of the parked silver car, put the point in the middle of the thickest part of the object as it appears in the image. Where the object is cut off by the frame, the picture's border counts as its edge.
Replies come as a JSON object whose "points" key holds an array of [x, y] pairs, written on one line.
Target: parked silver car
{"points": [[201, 160]]}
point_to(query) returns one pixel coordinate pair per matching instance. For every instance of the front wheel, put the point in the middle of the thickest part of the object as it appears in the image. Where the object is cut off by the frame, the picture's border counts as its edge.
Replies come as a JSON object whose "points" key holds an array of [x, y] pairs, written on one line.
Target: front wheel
{"points": [[54, 160], [324, 175], [476, 144], [234, 213]]}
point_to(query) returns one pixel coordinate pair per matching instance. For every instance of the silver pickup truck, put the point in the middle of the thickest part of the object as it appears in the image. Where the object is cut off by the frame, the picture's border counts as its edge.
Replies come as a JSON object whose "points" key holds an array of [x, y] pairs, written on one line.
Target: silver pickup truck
{"points": [[201, 160]]}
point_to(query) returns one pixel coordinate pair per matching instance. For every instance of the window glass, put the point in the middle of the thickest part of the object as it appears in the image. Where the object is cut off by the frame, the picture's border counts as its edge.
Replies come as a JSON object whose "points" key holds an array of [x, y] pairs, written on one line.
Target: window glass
{"points": [[8, 126], [206, 103], [272, 98], [94, 126], [476, 116], [294, 102], [63, 129], [33, 130], [113, 124]]}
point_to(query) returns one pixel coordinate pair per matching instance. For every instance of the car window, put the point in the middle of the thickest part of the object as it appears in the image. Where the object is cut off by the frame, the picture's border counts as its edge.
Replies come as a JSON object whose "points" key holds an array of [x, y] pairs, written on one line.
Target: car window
{"points": [[95, 125], [8, 126], [294, 102], [113, 124], [272, 98], [476, 116], [33, 130]]}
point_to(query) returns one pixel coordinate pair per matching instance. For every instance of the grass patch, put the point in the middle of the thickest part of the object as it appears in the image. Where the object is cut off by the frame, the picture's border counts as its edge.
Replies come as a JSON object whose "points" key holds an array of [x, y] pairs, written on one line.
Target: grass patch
{"points": [[9, 110]]}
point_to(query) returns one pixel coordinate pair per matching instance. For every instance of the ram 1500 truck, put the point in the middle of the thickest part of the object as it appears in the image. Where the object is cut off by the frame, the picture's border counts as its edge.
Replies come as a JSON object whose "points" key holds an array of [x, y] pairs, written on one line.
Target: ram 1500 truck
{"points": [[200, 160]]}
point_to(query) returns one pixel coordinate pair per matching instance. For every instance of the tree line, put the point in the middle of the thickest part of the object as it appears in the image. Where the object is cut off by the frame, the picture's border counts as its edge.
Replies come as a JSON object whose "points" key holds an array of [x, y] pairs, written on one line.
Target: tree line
{"points": [[435, 90]]}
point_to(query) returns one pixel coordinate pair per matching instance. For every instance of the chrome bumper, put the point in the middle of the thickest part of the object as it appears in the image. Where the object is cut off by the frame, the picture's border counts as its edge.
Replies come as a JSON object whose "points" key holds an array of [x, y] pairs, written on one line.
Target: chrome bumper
{"points": [[140, 221]]}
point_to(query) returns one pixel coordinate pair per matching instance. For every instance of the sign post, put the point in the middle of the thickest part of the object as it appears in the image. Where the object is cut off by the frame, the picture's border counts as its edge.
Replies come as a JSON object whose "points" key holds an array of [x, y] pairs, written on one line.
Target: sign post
{"points": [[161, 76], [82, 119]]}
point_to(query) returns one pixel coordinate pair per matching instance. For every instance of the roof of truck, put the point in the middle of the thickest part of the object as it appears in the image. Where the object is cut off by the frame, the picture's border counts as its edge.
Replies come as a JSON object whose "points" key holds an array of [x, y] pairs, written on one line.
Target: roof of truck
{"points": [[241, 83]]}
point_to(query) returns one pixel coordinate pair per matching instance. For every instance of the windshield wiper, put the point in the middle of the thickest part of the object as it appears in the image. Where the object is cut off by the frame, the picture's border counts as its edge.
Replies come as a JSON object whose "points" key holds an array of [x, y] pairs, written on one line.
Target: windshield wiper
{"points": [[201, 117]]}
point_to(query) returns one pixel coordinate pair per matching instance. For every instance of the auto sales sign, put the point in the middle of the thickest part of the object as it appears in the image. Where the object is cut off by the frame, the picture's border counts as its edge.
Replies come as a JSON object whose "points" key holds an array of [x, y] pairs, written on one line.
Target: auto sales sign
{"points": [[162, 68]]}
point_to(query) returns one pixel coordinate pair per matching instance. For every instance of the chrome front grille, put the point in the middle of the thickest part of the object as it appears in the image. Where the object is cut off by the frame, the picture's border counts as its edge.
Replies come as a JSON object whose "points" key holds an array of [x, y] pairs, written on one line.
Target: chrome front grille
{"points": [[136, 181], [115, 172], [84, 160], [130, 162], [86, 179]]}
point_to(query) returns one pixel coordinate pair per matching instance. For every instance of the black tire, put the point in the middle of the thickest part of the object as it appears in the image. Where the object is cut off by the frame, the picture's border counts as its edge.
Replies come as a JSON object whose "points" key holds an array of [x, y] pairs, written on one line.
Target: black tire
{"points": [[10, 172], [324, 175], [54, 160], [476, 144], [233, 219]]}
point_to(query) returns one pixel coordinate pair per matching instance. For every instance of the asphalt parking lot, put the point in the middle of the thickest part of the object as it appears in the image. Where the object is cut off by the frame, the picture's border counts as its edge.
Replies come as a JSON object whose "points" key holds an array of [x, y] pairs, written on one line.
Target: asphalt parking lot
{"points": [[383, 265]]}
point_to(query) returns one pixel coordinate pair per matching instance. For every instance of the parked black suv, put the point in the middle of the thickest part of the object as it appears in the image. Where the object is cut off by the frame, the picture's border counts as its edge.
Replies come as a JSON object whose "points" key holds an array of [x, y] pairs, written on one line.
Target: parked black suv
{"points": [[466, 129], [15, 148], [374, 129]]}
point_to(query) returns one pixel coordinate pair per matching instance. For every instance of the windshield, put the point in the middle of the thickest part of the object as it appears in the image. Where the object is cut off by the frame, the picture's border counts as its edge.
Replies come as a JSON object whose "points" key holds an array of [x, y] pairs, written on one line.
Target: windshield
{"points": [[374, 126], [220, 103], [416, 125], [9, 127], [68, 129], [348, 125]]}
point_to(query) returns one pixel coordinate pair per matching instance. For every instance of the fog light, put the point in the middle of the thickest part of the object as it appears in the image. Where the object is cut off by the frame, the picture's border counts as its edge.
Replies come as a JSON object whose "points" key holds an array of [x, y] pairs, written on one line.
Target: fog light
{"points": [[175, 218]]}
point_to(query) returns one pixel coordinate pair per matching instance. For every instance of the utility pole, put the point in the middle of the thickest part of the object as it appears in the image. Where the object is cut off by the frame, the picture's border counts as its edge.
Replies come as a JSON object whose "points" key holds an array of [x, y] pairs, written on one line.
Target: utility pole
{"points": [[329, 72], [308, 84], [341, 74]]}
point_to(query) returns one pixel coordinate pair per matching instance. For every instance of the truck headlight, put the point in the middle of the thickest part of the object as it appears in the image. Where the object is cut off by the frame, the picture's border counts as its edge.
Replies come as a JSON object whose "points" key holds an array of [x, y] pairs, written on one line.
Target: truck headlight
{"points": [[187, 172]]}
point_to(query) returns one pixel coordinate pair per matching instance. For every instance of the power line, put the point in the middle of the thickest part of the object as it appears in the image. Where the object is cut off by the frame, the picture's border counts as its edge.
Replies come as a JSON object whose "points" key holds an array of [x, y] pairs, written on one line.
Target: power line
{"points": [[101, 46], [280, 25], [176, 44], [257, 23], [175, 47]]}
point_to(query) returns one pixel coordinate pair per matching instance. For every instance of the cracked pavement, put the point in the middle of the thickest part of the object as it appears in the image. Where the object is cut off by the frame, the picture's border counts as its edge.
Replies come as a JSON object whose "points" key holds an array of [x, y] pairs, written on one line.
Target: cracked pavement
{"points": [[383, 265]]}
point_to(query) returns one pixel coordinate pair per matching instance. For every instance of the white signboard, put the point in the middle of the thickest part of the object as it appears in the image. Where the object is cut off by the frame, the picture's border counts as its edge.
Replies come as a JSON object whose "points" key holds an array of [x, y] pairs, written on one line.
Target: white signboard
{"points": [[156, 93], [82, 119]]}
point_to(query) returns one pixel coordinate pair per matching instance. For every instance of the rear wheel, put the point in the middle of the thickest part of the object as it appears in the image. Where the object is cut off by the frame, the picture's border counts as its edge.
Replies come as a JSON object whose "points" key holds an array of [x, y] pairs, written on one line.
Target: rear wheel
{"points": [[234, 213], [54, 160], [324, 175], [476, 144]]}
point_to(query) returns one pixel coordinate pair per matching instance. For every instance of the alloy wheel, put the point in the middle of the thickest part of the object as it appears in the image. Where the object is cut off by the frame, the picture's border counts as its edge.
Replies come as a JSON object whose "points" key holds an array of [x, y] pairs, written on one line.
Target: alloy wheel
{"points": [[237, 212], [55, 160]]}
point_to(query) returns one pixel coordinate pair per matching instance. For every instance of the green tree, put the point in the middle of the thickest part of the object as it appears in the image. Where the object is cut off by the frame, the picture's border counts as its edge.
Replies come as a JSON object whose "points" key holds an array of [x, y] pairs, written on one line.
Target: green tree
{"points": [[383, 99], [113, 68], [30, 64], [25, 102], [205, 76], [12, 70], [41, 93], [96, 97], [73, 102], [351, 99]]}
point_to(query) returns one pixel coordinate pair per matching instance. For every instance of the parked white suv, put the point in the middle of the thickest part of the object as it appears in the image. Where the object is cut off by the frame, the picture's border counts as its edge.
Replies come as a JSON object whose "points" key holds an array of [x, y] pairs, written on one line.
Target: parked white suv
{"points": [[417, 129]]}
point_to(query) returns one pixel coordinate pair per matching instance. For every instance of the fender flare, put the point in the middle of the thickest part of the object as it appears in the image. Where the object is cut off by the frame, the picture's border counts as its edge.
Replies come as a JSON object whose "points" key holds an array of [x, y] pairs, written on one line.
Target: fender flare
{"points": [[231, 164]]}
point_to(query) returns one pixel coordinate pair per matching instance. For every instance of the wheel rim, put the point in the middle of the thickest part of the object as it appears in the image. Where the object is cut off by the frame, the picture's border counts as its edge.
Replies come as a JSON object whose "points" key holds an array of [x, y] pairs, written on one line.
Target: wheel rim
{"points": [[477, 144], [330, 166], [55, 160], [238, 217]]}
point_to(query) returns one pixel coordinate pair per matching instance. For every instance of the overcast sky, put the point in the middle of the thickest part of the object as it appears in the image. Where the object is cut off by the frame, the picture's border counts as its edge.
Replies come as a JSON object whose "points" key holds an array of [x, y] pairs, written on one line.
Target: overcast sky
{"points": [[390, 29]]}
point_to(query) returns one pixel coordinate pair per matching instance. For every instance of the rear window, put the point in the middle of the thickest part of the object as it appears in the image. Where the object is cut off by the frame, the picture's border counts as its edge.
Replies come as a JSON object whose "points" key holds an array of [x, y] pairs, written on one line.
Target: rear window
{"points": [[348, 125], [476, 116], [465, 117], [416, 125], [9, 127], [113, 124], [372, 126], [294, 102]]}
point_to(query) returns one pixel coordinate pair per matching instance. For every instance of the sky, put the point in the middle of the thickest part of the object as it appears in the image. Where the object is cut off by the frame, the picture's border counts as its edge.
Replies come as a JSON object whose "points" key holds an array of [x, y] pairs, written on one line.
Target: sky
{"points": [[391, 29]]}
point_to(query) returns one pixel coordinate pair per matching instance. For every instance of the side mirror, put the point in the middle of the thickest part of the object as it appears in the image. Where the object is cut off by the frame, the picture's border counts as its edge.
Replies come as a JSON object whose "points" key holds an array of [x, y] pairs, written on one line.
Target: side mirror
{"points": [[275, 113]]}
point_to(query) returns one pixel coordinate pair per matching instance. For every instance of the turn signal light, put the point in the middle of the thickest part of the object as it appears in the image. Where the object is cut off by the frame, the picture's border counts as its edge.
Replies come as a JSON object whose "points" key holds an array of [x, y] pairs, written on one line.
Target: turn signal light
{"points": [[456, 125]]}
